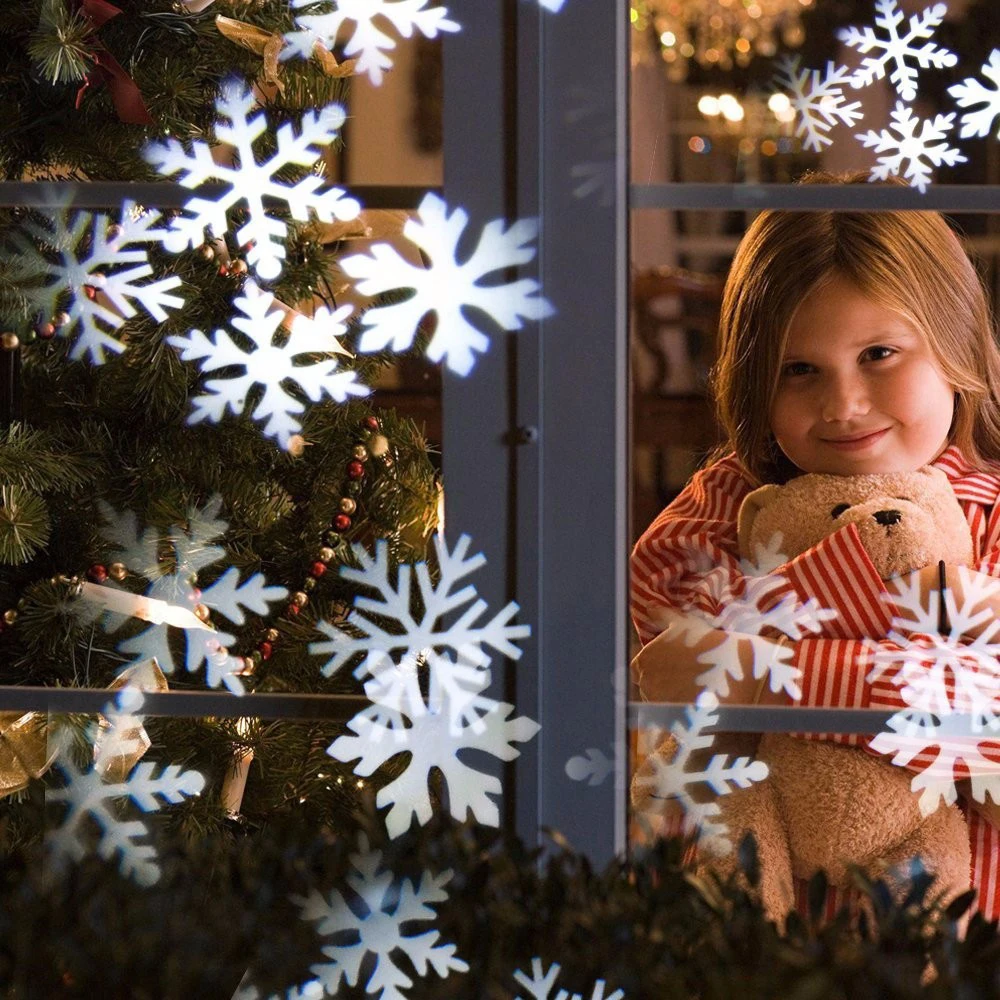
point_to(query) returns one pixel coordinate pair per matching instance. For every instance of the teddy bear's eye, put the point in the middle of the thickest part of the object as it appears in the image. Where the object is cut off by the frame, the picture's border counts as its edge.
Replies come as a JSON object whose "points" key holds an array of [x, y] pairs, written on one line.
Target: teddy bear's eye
{"points": [[839, 509]]}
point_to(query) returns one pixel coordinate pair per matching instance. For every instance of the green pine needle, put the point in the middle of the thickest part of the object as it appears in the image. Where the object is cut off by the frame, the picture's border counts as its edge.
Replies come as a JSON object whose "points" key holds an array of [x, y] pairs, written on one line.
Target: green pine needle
{"points": [[24, 525], [63, 45]]}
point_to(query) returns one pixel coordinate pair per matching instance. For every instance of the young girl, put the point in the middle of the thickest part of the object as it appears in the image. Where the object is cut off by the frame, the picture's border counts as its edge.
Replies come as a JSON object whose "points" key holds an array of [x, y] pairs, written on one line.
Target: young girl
{"points": [[850, 342]]}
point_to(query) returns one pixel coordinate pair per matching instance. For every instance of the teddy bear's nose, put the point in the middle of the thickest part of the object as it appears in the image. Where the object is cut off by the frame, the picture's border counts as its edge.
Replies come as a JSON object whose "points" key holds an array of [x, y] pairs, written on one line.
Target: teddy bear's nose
{"points": [[887, 517]]}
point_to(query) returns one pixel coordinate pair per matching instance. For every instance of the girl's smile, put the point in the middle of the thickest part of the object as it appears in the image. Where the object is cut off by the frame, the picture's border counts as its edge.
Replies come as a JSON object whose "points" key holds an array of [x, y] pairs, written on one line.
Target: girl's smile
{"points": [[859, 389]]}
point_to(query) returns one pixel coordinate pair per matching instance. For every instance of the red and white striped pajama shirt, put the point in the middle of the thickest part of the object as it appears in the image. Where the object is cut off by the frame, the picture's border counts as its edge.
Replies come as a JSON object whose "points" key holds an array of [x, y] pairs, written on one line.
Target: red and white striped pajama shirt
{"points": [[697, 533]]}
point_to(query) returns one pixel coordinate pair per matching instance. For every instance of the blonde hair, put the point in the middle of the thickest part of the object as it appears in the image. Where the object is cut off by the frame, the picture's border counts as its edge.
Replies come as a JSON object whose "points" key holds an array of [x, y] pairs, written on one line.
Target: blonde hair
{"points": [[909, 261]]}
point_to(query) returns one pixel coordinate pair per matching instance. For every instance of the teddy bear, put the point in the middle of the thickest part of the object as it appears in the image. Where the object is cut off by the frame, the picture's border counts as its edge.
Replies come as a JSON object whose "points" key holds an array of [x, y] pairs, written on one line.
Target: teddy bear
{"points": [[825, 805]]}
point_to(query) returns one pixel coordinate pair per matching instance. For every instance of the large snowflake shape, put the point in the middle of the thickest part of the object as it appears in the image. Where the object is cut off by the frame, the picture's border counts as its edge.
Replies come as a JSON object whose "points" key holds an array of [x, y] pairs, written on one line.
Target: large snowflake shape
{"points": [[941, 677], [367, 42], [445, 726], [671, 779], [191, 549], [897, 49], [447, 287], [542, 984], [380, 917], [87, 795], [252, 182], [971, 92], [270, 366], [390, 655], [920, 151], [818, 100], [103, 267]]}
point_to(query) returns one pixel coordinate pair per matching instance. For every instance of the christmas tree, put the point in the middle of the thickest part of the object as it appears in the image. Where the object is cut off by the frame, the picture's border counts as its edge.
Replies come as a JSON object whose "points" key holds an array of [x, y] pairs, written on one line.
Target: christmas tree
{"points": [[188, 427]]}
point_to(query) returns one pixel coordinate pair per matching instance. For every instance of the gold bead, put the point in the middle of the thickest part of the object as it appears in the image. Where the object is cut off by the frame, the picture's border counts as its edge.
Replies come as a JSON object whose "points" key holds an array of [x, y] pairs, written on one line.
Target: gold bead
{"points": [[326, 554], [360, 452], [300, 599], [10, 616], [10, 341], [206, 251], [238, 267], [60, 319], [348, 506], [118, 571], [378, 445], [271, 635], [201, 612]]}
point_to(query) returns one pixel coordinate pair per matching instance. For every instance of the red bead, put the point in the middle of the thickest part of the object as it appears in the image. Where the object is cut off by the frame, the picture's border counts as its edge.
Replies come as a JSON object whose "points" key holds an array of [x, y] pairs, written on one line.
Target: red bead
{"points": [[90, 292], [265, 650], [46, 330], [292, 609], [195, 596], [371, 423], [355, 470], [223, 270], [98, 573], [318, 569], [341, 523]]}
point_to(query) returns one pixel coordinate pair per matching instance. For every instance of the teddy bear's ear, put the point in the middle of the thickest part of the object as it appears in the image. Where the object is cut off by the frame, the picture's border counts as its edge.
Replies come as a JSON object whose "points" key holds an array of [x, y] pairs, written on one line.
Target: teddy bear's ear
{"points": [[753, 504]]}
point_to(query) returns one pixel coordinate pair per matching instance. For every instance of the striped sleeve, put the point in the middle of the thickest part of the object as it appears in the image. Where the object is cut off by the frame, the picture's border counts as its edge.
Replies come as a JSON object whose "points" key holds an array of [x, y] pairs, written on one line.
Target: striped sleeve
{"points": [[672, 562], [839, 574]]}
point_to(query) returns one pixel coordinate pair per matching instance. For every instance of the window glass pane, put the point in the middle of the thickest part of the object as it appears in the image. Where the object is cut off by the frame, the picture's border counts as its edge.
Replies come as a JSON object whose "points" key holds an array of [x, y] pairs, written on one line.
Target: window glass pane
{"points": [[772, 604]]}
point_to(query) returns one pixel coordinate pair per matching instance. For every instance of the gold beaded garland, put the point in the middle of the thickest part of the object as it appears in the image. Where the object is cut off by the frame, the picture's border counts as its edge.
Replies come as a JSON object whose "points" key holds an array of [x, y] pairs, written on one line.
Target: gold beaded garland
{"points": [[201, 612], [9, 340], [347, 505], [378, 445], [118, 571], [10, 616], [360, 452]]}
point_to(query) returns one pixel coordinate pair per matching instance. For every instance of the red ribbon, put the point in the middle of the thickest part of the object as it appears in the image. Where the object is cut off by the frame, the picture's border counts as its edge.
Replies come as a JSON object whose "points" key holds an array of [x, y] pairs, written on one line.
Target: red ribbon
{"points": [[107, 70]]}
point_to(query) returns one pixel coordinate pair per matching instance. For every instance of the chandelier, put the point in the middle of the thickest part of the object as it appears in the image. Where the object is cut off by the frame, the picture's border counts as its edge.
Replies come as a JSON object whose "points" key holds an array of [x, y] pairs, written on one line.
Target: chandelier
{"points": [[719, 33]]}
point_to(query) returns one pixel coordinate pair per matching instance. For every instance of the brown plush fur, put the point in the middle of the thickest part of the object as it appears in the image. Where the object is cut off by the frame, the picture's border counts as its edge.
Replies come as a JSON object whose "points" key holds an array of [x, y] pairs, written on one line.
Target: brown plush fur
{"points": [[826, 806]]}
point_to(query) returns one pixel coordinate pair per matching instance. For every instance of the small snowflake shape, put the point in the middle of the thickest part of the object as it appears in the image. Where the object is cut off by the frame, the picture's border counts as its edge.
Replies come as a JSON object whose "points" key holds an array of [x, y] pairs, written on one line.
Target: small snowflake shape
{"points": [[268, 365], [541, 985], [895, 48], [86, 794], [435, 737], [192, 550], [447, 287], [971, 92], [391, 657], [367, 41], [251, 182], [670, 778], [912, 147], [593, 766], [103, 268], [818, 100], [381, 907]]}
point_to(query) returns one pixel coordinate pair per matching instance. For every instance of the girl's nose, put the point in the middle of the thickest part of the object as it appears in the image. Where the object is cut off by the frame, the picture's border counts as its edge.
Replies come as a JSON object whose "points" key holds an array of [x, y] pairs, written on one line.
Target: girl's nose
{"points": [[843, 399]]}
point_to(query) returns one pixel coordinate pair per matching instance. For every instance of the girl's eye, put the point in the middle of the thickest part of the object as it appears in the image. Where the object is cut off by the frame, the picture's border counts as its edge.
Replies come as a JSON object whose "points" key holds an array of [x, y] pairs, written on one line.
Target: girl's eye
{"points": [[794, 368], [878, 353], [839, 509]]}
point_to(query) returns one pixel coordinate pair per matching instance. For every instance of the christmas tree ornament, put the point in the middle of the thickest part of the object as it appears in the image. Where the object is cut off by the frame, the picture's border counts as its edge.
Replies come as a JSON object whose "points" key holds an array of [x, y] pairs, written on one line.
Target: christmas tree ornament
{"points": [[24, 749]]}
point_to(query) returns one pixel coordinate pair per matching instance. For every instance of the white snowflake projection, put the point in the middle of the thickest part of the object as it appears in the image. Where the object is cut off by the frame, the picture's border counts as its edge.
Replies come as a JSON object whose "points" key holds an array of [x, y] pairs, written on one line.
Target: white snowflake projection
{"points": [[189, 549], [553, 6], [944, 679], [593, 766], [817, 99], [390, 655], [447, 287], [367, 42], [542, 985], [898, 49], [671, 779], [760, 604], [445, 727], [96, 270], [88, 796], [971, 93], [250, 182], [269, 366], [380, 915], [918, 150]]}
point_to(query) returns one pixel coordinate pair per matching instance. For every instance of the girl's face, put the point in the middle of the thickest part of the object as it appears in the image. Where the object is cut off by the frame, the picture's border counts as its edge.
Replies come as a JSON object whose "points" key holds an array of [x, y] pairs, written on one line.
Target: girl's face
{"points": [[859, 389]]}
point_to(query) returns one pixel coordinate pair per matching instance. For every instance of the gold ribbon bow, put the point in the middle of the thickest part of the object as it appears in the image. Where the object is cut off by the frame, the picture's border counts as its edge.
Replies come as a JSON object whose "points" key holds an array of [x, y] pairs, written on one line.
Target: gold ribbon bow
{"points": [[26, 753], [269, 45]]}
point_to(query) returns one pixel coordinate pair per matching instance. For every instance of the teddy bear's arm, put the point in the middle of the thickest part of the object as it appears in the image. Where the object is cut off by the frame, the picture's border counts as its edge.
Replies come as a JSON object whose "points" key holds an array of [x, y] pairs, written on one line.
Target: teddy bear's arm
{"points": [[667, 667]]}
